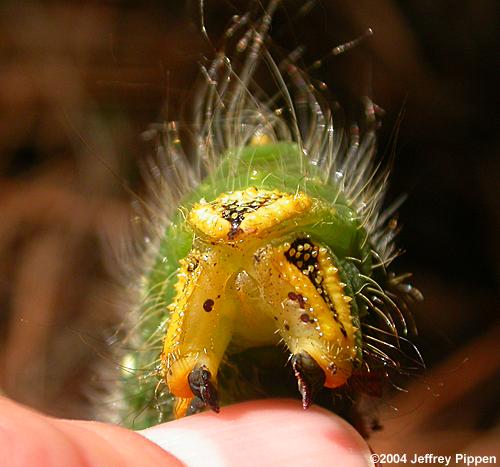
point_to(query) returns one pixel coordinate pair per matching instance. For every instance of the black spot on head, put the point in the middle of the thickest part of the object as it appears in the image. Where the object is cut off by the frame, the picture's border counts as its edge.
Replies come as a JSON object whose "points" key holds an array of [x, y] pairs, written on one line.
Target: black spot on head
{"points": [[235, 230], [235, 211], [208, 305], [287, 327]]}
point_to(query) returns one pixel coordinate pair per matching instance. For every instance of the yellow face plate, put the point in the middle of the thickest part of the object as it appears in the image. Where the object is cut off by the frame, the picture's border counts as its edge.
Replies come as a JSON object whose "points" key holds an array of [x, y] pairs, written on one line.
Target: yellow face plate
{"points": [[252, 282]]}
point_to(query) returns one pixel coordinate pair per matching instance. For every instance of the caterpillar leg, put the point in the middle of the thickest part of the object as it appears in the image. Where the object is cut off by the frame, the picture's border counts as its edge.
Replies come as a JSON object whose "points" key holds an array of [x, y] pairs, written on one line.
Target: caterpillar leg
{"points": [[312, 313], [199, 331]]}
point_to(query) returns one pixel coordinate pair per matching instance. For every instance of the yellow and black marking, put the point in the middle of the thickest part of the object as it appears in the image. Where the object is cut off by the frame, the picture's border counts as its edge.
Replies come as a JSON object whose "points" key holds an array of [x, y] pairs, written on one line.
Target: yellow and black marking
{"points": [[246, 214], [235, 210], [251, 280], [303, 255]]}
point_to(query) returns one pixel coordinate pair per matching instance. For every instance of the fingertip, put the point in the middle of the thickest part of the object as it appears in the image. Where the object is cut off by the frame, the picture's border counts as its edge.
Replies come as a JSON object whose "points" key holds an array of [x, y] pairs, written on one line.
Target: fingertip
{"points": [[27, 438], [268, 432], [109, 445], [30, 438], [271, 432]]}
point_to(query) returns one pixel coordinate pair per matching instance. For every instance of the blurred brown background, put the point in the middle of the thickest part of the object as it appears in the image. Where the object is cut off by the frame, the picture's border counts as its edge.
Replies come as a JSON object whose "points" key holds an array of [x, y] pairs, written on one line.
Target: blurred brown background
{"points": [[80, 82]]}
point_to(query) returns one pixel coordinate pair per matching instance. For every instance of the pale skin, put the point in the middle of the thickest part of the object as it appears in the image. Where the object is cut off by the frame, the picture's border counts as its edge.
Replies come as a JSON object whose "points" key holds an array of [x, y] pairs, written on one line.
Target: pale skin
{"points": [[269, 432]]}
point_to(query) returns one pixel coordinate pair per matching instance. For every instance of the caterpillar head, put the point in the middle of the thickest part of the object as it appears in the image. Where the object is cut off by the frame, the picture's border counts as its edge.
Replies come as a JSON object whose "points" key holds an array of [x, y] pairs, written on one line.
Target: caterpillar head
{"points": [[259, 274]]}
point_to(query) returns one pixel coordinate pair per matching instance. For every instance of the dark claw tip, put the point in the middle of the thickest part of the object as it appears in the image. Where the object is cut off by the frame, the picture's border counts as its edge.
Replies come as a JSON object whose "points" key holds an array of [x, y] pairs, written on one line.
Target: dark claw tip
{"points": [[200, 382], [310, 377]]}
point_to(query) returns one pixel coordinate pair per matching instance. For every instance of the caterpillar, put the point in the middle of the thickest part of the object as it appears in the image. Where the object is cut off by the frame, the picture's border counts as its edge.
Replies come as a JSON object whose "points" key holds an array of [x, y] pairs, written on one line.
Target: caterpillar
{"points": [[264, 249]]}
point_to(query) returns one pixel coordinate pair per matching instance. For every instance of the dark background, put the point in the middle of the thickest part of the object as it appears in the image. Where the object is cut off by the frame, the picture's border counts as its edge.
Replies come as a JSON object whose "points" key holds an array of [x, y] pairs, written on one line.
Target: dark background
{"points": [[80, 82]]}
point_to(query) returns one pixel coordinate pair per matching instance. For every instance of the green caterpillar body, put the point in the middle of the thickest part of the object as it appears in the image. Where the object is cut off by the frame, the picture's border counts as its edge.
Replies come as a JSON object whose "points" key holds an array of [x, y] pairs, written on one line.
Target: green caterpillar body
{"points": [[270, 246]]}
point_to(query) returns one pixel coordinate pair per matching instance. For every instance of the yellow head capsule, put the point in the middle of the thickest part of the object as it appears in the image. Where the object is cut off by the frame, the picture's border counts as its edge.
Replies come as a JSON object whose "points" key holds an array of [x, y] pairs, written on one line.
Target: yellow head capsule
{"points": [[246, 214], [252, 280]]}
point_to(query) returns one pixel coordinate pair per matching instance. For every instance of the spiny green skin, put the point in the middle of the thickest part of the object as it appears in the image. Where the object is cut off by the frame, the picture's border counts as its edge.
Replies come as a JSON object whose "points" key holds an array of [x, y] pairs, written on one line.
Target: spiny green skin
{"points": [[275, 166]]}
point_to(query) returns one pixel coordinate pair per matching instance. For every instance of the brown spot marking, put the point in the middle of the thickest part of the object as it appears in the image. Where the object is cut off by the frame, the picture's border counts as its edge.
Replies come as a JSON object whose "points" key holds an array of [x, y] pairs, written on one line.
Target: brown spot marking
{"points": [[297, 297], [208, 305], [304, 317], [293, 296]]}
